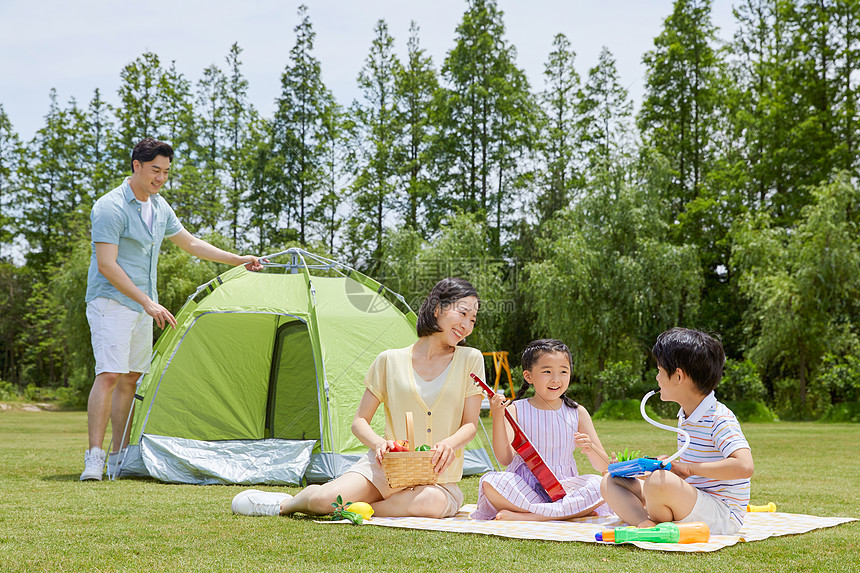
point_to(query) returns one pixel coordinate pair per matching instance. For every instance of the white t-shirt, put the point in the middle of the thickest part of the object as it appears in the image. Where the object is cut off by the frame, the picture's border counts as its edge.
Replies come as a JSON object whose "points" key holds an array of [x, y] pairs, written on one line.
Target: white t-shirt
{"points": [[429, 390], [146, 213]]}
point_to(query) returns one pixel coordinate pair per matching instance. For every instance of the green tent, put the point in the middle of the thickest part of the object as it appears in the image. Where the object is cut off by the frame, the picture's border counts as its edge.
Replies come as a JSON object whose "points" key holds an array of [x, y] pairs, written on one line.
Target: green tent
{"points": [[260, 379]]}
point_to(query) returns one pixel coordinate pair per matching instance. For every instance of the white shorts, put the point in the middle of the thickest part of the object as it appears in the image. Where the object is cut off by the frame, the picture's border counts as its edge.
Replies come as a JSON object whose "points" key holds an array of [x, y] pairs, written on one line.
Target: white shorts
{"points": [[121, 337], [715, 513]]}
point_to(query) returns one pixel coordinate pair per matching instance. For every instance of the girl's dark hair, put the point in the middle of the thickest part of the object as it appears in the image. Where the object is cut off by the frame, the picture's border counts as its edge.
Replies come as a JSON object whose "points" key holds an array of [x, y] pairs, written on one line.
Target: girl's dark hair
{"points": [[698, 354], [535, 350], [148, 149], [445, 293]]}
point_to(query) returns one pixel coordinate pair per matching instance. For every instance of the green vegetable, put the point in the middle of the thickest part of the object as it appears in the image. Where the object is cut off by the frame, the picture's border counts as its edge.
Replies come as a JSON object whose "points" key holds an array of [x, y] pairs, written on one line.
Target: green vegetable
{"points": [[423, 448], [341, 512]]}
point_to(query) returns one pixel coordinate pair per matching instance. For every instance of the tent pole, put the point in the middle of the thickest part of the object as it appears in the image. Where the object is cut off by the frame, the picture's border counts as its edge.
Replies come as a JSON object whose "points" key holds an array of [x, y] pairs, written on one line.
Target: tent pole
{"points": [[498, 465]]}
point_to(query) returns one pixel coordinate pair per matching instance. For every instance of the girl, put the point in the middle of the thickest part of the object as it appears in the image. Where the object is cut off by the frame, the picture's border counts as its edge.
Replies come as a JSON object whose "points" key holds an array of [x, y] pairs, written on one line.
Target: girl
{"points": [[430, 379], [555, 425]]}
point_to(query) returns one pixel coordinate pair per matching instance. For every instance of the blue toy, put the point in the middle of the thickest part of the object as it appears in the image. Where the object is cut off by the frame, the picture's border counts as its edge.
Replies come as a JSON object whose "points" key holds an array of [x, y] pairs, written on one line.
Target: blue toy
{"points": [[642, 466]]}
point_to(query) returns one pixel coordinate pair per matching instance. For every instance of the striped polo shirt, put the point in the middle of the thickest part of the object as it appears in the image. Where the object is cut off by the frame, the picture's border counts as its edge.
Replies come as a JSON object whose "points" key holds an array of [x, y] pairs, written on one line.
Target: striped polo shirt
{"points": [[714, 434]]}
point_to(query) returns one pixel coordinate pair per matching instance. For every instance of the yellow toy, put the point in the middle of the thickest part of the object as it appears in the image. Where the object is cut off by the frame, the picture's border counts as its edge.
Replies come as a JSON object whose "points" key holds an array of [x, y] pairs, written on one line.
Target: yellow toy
{"points": [[771, 507]]}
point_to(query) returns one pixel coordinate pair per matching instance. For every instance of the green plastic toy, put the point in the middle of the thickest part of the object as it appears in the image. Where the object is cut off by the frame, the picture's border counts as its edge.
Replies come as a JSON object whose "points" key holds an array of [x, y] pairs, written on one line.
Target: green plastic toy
{"points": [[693, 532]]}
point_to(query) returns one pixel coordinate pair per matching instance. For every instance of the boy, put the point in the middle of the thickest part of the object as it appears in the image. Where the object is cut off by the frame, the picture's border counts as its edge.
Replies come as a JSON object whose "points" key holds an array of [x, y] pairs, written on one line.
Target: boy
{"points": [[711, 481]]}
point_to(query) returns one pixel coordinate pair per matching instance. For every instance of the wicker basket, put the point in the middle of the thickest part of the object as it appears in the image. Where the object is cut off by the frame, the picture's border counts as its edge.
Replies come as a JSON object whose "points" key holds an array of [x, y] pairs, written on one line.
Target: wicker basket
{"points": [[408, 469]]}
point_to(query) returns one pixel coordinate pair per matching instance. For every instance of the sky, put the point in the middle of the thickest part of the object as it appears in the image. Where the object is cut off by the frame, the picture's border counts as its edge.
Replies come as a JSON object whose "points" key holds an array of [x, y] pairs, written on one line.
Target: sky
{"points": [[78, 46]]}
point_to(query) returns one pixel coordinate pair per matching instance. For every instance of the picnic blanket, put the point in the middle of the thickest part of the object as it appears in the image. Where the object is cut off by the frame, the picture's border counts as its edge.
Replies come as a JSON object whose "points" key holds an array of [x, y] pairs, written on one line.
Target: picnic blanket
{"points": [[757, 526]]}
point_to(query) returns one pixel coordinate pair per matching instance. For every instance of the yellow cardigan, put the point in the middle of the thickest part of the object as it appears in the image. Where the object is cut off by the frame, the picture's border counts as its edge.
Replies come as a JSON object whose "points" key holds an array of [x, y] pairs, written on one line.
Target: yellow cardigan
{"points": [[391, 380]]}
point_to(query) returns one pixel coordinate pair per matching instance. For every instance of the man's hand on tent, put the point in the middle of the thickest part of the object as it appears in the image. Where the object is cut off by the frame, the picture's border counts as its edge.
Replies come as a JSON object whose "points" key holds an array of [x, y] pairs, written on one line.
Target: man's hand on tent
{"points": [[253, 263], [160, 314]]}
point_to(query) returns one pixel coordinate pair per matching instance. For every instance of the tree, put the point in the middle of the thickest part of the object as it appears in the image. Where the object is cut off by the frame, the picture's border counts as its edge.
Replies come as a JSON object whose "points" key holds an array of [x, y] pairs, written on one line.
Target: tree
{"points": [[15, 287], [377, 126], [563, 133], [760, 123], [139, 114], [238, 113], [325, 216], [265, 194], [54, 199], [298, 128], [180, 129], [802, 288], [11, 154], [794, 100], [677, 113], [825, 49], [55, 203], [417, 86], [205, 181], [607, 123], [681, 118], [179, 126], [68, 326], [847, 21], [488, 118], [608, 280], [95, 151]]}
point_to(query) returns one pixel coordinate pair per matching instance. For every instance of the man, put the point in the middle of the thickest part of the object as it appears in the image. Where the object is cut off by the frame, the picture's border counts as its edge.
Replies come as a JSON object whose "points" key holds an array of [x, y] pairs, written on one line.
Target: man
{"points": [[128, 226]]}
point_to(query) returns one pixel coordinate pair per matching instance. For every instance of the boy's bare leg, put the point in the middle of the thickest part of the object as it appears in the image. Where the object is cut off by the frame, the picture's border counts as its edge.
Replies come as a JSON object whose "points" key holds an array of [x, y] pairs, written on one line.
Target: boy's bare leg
{"points": [[625, 497], [668, 497]]}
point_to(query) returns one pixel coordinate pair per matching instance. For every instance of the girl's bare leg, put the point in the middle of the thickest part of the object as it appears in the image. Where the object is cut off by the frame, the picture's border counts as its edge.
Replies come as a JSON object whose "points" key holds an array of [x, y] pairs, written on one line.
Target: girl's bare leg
{"points": [[507, 511]]}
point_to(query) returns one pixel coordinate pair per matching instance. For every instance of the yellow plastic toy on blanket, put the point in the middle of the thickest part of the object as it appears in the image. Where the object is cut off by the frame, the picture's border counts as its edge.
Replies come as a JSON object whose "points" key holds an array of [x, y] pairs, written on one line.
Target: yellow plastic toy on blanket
{"points": [[771, 507]]}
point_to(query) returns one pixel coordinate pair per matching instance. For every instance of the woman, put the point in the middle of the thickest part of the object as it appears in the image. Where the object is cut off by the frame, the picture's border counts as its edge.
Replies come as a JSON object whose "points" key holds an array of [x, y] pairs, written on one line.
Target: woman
{"points": [[430, 379]]}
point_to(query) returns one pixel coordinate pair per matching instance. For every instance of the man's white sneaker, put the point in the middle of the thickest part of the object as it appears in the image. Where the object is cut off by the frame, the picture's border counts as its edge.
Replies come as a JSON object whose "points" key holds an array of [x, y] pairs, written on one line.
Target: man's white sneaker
{"points": [[94, 464], [255, 503]]}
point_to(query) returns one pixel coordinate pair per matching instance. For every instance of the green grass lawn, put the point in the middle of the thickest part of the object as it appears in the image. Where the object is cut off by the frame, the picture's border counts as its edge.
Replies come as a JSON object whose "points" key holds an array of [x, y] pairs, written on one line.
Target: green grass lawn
{"points": [[50, 521]]}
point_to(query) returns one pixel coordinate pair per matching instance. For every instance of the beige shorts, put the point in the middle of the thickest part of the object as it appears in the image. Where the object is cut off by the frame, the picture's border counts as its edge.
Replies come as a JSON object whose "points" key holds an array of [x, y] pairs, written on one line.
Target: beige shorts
{"points": [[121, 337], [369, 468], [715, 513]]}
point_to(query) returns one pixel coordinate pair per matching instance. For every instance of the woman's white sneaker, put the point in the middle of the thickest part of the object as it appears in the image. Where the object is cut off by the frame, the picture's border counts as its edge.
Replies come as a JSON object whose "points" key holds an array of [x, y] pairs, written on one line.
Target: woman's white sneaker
{"points": [[256, 503]]}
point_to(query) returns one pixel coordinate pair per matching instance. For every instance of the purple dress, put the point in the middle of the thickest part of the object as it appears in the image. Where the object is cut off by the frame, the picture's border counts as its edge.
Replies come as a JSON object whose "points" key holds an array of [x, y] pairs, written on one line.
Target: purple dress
{"points": [[551, 432]]}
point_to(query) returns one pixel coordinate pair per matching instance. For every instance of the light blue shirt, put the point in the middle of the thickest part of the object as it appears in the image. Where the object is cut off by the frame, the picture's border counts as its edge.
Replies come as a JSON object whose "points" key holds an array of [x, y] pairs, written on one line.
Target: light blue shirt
{"points": [[116, 219]]}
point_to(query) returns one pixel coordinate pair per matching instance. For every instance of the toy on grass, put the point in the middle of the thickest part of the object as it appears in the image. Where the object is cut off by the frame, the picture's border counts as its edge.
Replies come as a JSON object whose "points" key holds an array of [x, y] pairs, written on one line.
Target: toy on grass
{"points": [[641, 466], [693, 532], [771, 507]]}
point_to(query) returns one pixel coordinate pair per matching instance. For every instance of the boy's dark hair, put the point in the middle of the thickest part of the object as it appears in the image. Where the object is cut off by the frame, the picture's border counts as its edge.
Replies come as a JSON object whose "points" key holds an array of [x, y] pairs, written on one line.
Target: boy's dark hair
{"points": [[698, 354], [535, 350], [148, 149], [445, 293]]}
